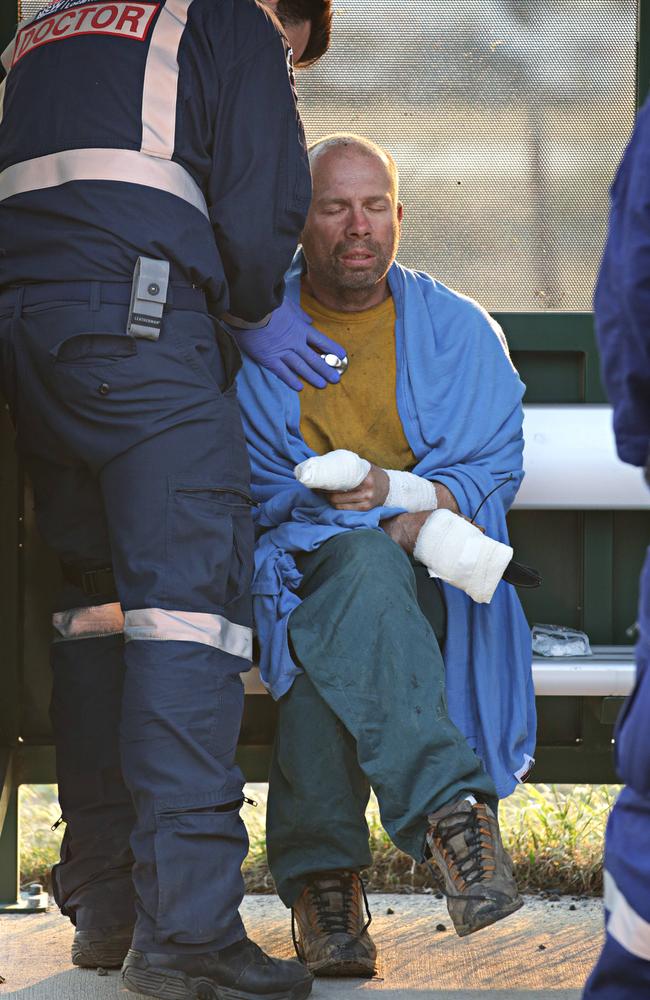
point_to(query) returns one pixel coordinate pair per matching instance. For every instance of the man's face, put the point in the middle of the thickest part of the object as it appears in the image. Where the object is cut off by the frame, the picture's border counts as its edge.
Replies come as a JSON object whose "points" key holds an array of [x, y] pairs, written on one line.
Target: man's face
{"points": [[297, 34], [352, 231]]}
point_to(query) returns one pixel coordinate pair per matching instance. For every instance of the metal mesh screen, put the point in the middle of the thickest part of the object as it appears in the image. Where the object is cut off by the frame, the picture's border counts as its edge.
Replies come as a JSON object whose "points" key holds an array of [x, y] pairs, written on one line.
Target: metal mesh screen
{"points": [[507, 120]]}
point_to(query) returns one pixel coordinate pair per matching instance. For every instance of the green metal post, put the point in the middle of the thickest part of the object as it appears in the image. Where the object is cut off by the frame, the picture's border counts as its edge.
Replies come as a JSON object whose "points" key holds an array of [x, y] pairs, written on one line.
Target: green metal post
{"points": [[9, 854], [8, 21], [643, 53]]}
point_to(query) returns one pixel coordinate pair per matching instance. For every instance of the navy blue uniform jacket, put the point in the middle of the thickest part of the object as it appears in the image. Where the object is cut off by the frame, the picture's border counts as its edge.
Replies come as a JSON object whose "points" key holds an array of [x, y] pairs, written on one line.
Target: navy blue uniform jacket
{"points": [[166, 128], [622, 307]]}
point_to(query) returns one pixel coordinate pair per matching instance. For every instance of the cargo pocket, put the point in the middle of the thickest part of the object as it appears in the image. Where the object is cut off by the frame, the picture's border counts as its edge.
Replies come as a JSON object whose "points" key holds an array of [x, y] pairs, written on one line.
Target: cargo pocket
{"points": [[95, 372], [210, 541], [198, 860]]}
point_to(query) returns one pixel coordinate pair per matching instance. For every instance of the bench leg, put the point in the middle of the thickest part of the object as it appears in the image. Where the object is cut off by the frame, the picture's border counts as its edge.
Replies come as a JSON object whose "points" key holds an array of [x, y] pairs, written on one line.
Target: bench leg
{"points": [[11, 899], [9, 855]]}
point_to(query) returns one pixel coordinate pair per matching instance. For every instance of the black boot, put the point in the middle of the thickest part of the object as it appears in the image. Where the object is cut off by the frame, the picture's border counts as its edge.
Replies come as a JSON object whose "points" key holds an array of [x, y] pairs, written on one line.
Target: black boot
{"points": [[104, 947], [240, 972]]}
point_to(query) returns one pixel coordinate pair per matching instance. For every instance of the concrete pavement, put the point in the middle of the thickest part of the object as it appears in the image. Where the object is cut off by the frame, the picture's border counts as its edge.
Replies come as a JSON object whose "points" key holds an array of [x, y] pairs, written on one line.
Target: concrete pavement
{"points": [[543, 952]]}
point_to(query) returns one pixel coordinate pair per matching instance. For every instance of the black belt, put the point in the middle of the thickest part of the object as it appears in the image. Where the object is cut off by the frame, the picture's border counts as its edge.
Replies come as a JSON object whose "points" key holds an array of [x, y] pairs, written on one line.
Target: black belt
{"points": [[93, 582], [179, 296]]}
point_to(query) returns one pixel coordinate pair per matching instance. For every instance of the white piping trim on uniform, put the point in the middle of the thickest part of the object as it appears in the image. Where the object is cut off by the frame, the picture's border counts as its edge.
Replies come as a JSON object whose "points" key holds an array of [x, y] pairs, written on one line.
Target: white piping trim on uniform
{"points": [[160, 89], [3, 86], [88, 623], [624, 924], [242, 324], [8, 54], [163, 625], [128, 165]]}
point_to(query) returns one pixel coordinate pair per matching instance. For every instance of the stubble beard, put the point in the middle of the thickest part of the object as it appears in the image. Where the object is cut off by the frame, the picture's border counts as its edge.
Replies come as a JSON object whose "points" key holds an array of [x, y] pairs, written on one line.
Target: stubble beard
{"points": [[347, 279]]}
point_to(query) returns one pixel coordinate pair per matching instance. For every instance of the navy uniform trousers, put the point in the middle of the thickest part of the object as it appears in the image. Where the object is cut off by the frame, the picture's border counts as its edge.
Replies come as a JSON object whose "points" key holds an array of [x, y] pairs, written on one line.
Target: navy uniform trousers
{"points": [[623, 968], [137, 458]]}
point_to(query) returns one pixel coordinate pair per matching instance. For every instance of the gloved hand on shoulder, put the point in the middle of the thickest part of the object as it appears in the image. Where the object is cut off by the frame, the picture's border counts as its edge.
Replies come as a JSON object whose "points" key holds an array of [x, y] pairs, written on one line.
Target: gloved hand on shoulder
{"points": [[290, 347]]}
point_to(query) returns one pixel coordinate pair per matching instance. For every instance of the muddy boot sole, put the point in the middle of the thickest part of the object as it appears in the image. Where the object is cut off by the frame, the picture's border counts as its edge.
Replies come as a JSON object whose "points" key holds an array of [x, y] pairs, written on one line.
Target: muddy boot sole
{"points": [[101, 948], [489, 917], [343, 968], [169, 984]]}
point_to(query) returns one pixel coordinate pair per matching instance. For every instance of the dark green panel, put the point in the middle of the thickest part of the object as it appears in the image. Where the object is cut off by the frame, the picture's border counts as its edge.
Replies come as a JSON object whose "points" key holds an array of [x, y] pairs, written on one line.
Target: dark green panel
{"points": [[551, 376], [598, 576], [631, 540], [570, 334], [254, 762], [36, 765], [42, 578], [8, 20], [574, 765], [551, 541]]}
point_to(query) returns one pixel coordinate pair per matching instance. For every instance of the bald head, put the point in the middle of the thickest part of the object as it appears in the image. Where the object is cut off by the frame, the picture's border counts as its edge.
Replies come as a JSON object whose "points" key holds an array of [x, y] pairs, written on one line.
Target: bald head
{"points": [[348, 142], [352, 230]]}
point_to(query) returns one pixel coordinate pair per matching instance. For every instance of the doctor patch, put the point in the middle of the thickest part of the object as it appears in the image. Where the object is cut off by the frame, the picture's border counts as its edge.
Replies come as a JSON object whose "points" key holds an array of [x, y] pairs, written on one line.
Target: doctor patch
{"points": [[127, 20]]}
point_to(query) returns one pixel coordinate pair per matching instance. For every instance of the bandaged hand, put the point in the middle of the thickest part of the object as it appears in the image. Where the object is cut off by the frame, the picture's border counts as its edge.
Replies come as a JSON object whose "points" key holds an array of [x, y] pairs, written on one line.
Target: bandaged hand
{"points": [[456, 551], [351, 482], [355, 484]]}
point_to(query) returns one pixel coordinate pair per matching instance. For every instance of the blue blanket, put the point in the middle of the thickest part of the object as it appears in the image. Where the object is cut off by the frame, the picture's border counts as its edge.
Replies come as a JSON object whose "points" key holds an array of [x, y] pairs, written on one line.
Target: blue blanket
{"points": [[459, 400]]}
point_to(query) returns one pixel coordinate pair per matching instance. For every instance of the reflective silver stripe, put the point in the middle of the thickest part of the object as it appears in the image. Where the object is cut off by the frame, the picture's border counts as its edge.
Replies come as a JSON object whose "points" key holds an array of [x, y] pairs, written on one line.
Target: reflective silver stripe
{"points": [[160, 90], [189, 626], [128, 165], [625, 925], [88, 623]]}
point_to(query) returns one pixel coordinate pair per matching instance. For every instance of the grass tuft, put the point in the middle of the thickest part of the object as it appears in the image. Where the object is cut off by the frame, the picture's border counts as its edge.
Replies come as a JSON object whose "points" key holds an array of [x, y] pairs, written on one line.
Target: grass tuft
{"points": [[554, 834]]}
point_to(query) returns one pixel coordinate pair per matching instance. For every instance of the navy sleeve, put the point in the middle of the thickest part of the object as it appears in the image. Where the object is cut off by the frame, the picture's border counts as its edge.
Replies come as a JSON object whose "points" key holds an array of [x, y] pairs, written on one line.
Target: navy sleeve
{"points": [[260, 186], [622, 299]]}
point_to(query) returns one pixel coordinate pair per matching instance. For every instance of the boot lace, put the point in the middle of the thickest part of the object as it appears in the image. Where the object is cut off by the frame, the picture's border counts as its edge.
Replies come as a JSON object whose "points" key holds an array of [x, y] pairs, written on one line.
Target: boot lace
{"points": [[334, 920], [475, 862]]}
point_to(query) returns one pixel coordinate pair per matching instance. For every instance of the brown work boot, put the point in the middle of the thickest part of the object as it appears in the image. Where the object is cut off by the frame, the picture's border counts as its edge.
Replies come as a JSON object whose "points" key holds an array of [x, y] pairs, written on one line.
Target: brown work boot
{"points": [[332, 938], [464, 842]]}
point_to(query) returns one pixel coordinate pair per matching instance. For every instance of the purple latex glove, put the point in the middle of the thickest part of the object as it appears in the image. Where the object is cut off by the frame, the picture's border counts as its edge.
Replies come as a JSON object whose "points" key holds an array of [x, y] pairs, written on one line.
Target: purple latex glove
{"points": [[290, 346]]}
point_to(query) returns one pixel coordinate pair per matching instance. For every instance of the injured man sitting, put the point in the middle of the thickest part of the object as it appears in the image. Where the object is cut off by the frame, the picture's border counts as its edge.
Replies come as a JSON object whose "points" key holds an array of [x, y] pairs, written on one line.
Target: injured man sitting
{"points": [[399, 656]]}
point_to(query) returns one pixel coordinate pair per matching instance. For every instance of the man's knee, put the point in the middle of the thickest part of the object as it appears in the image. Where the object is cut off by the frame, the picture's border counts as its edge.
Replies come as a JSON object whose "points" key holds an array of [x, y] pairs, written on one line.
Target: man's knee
{"points": [[372, 552]]}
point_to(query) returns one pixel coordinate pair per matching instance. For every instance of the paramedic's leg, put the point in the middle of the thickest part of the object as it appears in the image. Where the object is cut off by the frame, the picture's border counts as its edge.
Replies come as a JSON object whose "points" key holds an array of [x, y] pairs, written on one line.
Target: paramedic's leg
{"points": [[182, 542], [623, 968], [149, 419], [92, 883]]}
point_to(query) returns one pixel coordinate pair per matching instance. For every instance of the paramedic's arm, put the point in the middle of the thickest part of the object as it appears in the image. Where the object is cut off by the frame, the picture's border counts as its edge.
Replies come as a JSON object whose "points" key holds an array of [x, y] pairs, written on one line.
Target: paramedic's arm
{"points": [[622, 300], [260, 186]]}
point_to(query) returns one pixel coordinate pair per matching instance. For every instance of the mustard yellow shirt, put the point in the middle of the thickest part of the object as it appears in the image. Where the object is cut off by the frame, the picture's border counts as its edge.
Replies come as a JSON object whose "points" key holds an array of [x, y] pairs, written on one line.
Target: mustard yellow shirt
{"points": [[360, 413]]}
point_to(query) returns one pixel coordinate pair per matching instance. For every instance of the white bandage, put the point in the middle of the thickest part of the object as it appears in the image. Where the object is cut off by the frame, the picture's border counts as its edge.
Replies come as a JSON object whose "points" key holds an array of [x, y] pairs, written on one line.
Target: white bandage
{"points": [[409, 491], [337, 470], [456, 551]]}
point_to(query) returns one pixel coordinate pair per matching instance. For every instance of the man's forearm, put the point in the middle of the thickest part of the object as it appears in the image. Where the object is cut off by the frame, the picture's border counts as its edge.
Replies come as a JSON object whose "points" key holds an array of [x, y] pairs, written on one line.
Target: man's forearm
{"points": [[446, 499]]}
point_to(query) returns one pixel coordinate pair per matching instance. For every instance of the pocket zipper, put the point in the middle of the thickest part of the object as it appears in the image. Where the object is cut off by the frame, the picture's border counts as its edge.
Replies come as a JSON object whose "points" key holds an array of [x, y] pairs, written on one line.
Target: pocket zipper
{"points": [[217, 489]]}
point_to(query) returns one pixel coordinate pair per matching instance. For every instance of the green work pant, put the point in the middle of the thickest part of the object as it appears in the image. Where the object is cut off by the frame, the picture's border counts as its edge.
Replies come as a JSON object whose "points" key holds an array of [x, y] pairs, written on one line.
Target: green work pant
{"points": [[368, 712]]}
